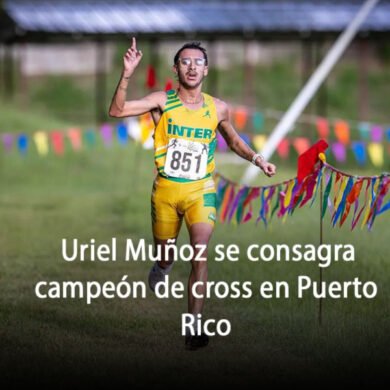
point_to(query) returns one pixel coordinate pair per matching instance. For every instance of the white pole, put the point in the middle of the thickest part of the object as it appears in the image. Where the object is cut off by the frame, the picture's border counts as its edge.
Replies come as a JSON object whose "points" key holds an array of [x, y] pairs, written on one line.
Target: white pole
{"points": [[311, 86]]}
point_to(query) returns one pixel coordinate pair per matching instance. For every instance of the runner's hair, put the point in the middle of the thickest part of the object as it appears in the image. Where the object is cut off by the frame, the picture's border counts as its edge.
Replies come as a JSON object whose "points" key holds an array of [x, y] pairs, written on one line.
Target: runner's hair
{"points": [[191, 45]]}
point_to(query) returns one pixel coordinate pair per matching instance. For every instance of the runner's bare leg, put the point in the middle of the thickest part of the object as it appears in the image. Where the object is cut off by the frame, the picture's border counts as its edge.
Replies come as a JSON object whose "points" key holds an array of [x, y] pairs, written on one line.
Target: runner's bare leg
{"points": [[200, 233]]}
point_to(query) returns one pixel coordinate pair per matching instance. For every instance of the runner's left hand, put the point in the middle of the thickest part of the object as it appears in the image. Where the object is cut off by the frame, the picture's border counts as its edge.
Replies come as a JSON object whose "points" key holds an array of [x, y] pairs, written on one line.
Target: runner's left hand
{"points": [[268, 168]]}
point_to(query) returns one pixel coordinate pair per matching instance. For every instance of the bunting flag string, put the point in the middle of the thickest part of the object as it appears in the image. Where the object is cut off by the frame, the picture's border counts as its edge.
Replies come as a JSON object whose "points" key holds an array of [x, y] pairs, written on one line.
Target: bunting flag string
{"points": [[362, 198], [342, 128], [139, 129], [366, 141], [373, 146], [343, 193]]}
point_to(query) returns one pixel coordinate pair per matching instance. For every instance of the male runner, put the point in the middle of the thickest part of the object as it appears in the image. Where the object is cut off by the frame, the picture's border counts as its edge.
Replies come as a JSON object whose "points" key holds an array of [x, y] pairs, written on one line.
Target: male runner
{"points": [[184, 144]]}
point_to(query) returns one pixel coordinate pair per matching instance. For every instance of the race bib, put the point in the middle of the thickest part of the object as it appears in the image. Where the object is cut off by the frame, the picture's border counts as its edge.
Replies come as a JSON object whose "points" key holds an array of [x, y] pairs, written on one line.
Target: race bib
{"points": [[186, 159]]}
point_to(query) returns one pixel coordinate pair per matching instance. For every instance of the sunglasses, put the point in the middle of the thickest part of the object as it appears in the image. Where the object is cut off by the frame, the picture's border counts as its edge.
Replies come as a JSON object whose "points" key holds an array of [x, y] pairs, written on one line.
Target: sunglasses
{"points": [[187, 61]]}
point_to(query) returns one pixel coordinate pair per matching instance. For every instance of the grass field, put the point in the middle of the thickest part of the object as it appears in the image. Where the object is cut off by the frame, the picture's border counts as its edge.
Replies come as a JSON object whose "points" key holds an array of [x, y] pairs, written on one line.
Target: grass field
{"points": [[104, 193]]}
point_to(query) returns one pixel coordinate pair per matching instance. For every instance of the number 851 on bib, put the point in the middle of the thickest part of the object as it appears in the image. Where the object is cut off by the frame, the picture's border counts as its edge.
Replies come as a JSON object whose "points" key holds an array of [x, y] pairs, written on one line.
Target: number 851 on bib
{"points": [[186, 159]]}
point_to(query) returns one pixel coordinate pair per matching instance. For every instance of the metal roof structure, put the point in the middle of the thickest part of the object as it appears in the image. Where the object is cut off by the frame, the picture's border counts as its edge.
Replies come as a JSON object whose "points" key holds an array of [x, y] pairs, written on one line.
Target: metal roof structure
{"points": [[286, 19]]}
